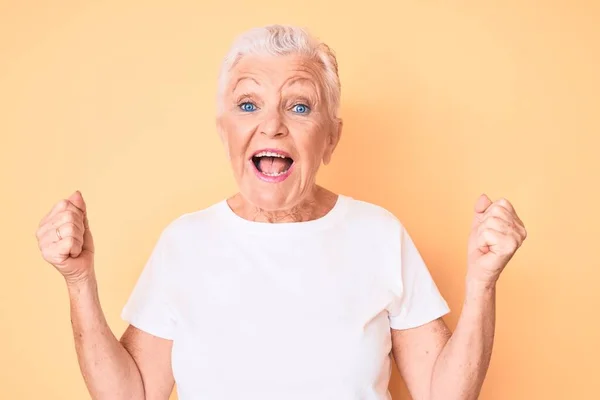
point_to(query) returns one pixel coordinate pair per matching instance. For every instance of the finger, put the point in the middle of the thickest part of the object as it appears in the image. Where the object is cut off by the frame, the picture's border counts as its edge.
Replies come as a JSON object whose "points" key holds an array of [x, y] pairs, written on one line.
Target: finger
{"points": [[69, 247], [66, 230], [504, 203], [52, 254], [483, 202], [61, 228], [485, 239], [72, 215], [77, 200], [481, 205], [498, 211], [502, 213], [490, 239], [507, 229], [88, 240], [61, 206], [518, 219], [57, 253], [497, 224], [68, 216]]}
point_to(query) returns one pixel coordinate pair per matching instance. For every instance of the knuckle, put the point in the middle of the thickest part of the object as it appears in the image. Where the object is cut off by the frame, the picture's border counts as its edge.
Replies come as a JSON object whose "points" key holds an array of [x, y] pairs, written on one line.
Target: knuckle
{"points": [[495, 222], [500, 210], [505, 214], [57, 220], [66, 217], [498, 218], [481, 228], [495, 209], [504, 205], [47, 254], [489, 222], [63, 204], [488, 232], [504, 201], [512, 243], [71, 216], [67, 229]]}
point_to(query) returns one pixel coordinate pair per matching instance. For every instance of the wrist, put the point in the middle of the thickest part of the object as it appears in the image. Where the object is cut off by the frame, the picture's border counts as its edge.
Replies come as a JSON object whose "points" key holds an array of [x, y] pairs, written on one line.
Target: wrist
{"points": [[480, 286], [77, 284]]}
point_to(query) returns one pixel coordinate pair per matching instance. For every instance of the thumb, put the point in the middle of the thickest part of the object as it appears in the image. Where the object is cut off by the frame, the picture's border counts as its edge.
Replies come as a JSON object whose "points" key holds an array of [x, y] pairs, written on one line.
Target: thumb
{"points": [[88, 240], [482, 204], [77, 199]]}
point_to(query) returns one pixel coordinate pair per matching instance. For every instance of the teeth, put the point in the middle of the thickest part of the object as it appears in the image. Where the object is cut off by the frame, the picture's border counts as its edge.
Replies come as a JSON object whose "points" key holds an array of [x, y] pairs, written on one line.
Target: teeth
{"points": [[269, 154], [274, 173]]}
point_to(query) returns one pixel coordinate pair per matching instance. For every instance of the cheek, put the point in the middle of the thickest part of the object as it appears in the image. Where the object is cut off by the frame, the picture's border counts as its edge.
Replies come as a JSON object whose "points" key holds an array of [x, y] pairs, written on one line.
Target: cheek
{"points": [[311, 144], [237, 135]]}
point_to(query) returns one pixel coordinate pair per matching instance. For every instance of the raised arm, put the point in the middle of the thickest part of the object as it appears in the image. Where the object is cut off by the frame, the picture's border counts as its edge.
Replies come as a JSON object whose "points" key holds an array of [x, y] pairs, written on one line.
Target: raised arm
{"points": [[138, 366], [436, 364]]}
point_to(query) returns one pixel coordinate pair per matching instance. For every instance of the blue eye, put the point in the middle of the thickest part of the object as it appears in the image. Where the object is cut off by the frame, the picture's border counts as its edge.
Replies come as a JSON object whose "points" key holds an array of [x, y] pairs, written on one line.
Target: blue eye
{"points": [[248, 107], [301, 109]]}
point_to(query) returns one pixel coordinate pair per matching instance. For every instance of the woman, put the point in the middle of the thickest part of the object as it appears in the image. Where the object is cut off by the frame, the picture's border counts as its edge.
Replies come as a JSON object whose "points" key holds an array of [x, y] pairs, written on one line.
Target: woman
{"points": [[285, 290]]}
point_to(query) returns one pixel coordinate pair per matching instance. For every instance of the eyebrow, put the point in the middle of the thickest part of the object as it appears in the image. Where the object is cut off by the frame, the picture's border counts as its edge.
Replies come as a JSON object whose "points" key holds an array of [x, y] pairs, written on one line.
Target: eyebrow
{"points": [[242, 79]]}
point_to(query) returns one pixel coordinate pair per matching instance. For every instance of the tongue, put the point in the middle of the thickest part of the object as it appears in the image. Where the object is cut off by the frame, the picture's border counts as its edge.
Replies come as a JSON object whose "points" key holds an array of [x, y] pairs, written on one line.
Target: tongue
{"points": [[272, 165]]}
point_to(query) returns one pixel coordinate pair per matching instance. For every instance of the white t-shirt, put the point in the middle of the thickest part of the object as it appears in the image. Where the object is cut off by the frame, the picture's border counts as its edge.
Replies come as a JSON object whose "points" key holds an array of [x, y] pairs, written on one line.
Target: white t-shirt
{"points": [[293, 311]]}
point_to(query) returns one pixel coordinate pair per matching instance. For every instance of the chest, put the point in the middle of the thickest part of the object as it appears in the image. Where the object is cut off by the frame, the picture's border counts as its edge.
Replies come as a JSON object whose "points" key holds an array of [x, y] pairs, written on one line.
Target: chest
{"points": [[265, 315]]}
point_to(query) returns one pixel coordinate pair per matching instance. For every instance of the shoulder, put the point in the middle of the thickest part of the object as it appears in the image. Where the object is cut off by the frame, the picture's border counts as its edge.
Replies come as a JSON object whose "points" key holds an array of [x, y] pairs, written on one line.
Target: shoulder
{"points": [[373, 216], [193, 225]]}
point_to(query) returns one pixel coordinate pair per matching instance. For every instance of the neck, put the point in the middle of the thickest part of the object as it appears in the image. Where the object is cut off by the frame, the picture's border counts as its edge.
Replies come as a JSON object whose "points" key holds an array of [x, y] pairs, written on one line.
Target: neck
{"points": [[314, 206]]}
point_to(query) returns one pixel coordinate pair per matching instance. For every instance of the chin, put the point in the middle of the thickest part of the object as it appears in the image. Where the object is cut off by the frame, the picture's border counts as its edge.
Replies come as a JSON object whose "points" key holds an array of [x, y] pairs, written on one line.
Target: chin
{"points": [[268, 193]]}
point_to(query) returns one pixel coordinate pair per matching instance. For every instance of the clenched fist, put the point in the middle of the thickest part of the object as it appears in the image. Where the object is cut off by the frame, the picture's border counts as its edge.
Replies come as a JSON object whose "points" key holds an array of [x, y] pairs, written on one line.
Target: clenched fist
{"points": [[65, 240], [496, 234]]}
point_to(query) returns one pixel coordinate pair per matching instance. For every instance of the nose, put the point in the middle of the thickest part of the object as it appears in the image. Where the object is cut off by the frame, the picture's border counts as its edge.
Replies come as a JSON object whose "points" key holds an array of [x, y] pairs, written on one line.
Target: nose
{"points": [[274, 125]]}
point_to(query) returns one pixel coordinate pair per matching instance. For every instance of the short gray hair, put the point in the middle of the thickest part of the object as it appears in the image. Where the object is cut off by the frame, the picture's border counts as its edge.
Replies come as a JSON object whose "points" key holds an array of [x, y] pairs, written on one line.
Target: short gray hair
{"points": [[282, 40]]}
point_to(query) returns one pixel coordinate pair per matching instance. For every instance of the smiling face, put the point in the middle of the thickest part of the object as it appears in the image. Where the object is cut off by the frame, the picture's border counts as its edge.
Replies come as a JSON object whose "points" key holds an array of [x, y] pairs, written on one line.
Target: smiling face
{"points": [[277, 129]]}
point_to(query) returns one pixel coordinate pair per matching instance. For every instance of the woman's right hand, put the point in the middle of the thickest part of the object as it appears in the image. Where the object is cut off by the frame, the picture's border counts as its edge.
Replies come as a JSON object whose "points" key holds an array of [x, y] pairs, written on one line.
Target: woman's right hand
{"points": [[65, 240]]}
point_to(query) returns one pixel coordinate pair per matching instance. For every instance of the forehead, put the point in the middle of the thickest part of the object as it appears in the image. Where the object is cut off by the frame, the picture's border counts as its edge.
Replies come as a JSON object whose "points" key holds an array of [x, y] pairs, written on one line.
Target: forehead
{"points": [[275, 71]]}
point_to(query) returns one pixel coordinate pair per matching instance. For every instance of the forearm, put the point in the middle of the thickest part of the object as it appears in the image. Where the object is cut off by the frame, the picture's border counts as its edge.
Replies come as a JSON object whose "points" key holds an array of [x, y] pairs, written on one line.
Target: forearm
{"points": [[108, 369], [461, 367]]}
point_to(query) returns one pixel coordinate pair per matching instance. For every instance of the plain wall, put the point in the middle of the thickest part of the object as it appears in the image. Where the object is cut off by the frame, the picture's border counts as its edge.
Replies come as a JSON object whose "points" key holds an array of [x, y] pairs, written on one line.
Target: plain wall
{"points": [[441, 101]]}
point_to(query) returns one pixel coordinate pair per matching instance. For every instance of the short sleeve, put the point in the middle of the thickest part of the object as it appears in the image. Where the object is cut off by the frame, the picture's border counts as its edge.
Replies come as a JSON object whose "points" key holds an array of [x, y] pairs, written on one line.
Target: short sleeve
{"points": [[148, 306], [419, 300]]}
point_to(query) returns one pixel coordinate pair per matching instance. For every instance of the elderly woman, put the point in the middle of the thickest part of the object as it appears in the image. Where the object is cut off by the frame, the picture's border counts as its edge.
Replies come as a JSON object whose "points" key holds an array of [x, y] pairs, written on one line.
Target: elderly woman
{"points": [[284, 290]]}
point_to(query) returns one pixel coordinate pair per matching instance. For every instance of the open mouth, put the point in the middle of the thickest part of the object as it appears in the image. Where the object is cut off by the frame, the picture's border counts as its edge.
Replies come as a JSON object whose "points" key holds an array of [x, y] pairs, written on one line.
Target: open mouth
{"points": [[272, 163]]}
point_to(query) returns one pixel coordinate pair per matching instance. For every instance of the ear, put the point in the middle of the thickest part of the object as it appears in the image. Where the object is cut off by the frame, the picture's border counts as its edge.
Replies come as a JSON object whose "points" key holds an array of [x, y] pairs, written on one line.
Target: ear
{"points": [[333, 140]]}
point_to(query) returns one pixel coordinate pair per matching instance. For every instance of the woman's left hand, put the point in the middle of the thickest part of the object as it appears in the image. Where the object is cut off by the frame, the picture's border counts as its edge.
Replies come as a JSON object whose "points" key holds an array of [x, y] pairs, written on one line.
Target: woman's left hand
{"points": [[496, 234]]}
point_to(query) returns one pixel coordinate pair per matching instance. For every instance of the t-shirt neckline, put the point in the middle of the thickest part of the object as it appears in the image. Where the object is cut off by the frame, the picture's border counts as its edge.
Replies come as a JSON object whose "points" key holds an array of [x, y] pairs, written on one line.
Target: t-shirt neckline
{"points": [[331, 218]]}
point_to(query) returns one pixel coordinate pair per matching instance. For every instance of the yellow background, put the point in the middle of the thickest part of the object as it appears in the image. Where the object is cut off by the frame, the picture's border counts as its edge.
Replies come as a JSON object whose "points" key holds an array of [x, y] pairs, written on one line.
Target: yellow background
{"points": [[441, 101]]}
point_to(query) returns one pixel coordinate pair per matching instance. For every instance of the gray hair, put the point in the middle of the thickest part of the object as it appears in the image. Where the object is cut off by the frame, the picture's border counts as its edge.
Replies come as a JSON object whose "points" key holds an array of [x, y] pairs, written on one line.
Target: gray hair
{"points": [[282, 40]]}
